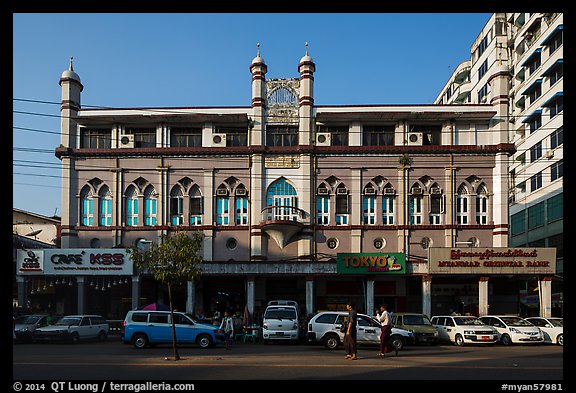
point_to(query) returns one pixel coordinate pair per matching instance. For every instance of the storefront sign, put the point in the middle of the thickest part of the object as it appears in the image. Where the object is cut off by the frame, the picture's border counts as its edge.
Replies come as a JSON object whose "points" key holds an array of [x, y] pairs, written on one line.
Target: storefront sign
{"points": [[74, 261], [374, 263], [498, 260]]}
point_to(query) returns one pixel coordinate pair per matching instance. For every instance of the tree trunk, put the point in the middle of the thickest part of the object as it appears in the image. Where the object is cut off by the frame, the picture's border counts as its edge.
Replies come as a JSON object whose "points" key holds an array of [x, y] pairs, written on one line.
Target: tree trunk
{"points": [[174, 346]]}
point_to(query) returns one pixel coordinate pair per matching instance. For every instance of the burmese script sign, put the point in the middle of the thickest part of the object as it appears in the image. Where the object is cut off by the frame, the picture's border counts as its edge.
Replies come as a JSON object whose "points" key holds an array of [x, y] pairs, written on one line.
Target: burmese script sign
{"points": [[75, 261], [497, 260], [371, 263]]}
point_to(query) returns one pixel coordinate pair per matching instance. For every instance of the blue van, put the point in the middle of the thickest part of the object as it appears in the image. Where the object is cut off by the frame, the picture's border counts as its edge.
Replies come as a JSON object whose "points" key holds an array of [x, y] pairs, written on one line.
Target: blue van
{"points": [[142, 328]]}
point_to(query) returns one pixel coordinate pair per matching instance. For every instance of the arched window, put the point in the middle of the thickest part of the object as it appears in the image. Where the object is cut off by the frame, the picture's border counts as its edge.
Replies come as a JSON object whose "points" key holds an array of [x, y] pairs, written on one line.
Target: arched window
{"points": [[462, 205], [241, 201], [369, 205], [436, 205], [481, 205], [131, 207], [415, 205], [105, 207], [222, 206], [388, 205], [177, 206], [87, 212], [323, 204], [196, 205], [150, 206], [283, 196], [342, 210]]}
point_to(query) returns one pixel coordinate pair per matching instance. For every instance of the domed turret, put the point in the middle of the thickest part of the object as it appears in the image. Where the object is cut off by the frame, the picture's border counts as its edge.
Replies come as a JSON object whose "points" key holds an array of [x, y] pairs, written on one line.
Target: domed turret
{"points": [[257, 60], [306, 58], [70, 74]]}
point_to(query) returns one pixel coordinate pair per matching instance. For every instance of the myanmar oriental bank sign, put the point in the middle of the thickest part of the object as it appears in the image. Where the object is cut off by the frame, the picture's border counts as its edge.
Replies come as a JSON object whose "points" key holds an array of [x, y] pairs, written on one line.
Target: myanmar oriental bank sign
{"points": [[499, 260], [74, 261]]}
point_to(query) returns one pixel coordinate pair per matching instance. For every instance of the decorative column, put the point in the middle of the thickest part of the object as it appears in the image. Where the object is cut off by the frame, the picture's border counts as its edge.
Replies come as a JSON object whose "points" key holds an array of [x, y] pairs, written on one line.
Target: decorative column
{"points": [[545, 296], [135, 292], [309, 295], [250, 291], [369, 296], [81, 288], [427, 295], [483, 305], [190, 297]]}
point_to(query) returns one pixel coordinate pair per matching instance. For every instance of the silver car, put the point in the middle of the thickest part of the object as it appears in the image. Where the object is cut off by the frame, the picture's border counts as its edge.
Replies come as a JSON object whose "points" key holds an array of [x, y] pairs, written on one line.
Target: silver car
{"points": [[25, 326], [324, 328]]}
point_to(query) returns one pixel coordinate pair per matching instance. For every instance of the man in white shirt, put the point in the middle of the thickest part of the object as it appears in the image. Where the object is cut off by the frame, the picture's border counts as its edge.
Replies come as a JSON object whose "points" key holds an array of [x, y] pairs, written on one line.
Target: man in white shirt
{"points": [[386, 331], [227, 326]]}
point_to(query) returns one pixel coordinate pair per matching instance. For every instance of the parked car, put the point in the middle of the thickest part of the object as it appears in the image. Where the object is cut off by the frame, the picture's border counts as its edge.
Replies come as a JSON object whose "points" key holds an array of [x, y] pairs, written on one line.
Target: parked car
{"points": [[25, 325], [417, 323], [281, 321], [74, 328], [552, 328], [324, 328], [143, 328], [462, 330], [513, 329]]}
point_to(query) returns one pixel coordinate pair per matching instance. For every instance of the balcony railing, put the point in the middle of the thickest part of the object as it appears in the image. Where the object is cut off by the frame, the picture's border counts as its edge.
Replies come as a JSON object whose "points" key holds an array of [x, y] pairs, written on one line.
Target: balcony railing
{"points": [[283, 213]]}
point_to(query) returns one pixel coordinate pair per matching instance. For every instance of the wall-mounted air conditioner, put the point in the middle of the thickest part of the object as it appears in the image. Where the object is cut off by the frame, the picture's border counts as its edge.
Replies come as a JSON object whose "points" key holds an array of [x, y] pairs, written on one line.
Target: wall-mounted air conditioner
{"points": [[369, 191], [240, 191], [414, 139], [219, 140], [127, 140], [322, 191], [323, 139], [416, 191], [222, 192], [388, 191], [435, 191], [341, 191]]}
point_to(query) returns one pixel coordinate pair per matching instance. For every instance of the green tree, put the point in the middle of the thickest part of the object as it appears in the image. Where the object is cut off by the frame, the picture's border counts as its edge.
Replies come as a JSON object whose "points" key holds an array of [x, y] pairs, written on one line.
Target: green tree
{"points": [[173, 260]]}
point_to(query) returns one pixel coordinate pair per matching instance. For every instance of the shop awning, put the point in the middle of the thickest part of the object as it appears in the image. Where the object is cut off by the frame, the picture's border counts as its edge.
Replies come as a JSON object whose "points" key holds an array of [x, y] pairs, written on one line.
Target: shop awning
{"points": [[531, 116], [529, 58], [532, 86], [559, 61]]}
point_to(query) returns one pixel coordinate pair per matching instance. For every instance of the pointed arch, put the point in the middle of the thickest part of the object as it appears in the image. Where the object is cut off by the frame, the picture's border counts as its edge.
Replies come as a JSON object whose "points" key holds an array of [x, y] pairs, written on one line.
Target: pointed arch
{"points": [[481, 204], [177, 205], [462, 204], [87, 205], [131, 210], [105, 211], [150, 206], [283, 194]]}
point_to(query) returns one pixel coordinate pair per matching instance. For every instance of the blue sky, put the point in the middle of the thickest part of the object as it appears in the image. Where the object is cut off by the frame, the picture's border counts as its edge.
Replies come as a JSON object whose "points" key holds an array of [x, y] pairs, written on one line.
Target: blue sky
{"points": [[181, 60]]}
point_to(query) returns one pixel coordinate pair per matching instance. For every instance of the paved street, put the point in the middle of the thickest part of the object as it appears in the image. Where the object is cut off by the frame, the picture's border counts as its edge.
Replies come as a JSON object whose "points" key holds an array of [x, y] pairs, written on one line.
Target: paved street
{"points": [[113, 360]]}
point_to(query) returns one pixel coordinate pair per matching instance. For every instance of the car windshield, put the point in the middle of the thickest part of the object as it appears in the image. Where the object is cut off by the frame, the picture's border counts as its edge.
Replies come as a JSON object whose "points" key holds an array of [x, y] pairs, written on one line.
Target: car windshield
{"points": [[68, 321], [416, 320], [515, 321], [29, 320], [279, 313], [556, 322], [467, 321]]}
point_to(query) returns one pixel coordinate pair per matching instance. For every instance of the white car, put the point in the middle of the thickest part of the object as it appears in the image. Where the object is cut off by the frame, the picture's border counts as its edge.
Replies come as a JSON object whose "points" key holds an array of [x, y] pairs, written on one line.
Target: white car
{"points": [[552, 328], [74, 328], [513, 329], [324, 328], [462, 330]]}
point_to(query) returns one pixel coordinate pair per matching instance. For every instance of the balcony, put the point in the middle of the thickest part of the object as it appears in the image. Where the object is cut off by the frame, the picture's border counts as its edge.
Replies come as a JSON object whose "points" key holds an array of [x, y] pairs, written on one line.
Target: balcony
{"points": [[281, 223]]}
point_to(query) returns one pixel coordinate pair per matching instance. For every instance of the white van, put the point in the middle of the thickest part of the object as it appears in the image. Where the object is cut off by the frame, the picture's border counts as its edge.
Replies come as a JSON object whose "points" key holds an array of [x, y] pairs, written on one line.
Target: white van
{"points": [[281, 321]]}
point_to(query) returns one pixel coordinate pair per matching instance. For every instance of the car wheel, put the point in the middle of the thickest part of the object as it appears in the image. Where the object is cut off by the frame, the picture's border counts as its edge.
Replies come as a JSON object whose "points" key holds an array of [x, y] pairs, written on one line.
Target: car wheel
{"points": [[505, 339], [102, 336], [331, 341], [204, 341], [560, 339], [74, 338], [397, 342], [459, 340], [140, 341]]}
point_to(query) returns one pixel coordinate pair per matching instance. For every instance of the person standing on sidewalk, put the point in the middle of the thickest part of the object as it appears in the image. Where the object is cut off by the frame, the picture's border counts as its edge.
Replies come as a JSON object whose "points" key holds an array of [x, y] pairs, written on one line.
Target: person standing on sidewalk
{"points": [[227, 326], [350, 336], [385, 332]]}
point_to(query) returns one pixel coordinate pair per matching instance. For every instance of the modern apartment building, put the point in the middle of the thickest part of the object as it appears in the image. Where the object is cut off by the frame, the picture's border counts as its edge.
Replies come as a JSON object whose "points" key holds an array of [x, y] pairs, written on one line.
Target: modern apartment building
{"points": [[315, 203], [529, 47]]}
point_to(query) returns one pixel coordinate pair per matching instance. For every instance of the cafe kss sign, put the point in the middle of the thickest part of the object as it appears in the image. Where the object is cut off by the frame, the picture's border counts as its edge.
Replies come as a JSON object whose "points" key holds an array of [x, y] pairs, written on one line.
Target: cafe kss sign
{"points": [[371, 263]]}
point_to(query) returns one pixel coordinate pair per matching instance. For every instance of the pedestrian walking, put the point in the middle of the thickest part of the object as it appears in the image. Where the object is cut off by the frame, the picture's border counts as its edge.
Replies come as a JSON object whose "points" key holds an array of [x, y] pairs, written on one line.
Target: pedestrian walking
{"points": [[227, 326], [350, 336], [385, 332]]}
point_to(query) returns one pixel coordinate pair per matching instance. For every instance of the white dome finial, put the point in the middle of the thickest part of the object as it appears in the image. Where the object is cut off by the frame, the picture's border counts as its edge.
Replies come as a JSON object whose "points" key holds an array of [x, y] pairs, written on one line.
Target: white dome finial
{"points": [[71, 63], [306, 48]]}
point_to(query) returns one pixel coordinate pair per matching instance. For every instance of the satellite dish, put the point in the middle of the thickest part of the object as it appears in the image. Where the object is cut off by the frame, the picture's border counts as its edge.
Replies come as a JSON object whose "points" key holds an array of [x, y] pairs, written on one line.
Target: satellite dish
{"points": [[34, 233]]}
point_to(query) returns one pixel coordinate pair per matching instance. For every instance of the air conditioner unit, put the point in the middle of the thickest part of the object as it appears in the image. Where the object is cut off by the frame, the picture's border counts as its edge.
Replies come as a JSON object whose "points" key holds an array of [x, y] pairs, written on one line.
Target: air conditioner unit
{"points": [[240, 191], [549, 154], [416, 191], [341, 191], [322, 191], [222, 192], [369, 191], [435, 190], [219, 140], [415, 138], [323, 139], [127, 140], [388, 191]]}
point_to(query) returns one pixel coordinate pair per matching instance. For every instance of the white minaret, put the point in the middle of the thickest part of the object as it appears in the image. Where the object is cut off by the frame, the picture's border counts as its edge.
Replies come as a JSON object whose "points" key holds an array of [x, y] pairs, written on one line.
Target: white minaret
{"points": [[306, 68], [70, 105], [258, 70]]}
